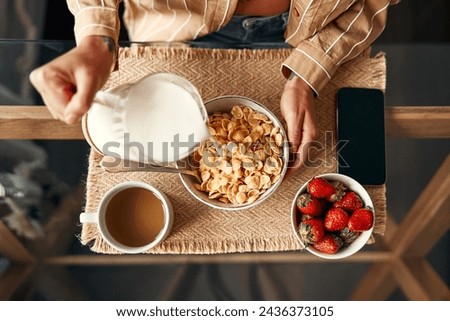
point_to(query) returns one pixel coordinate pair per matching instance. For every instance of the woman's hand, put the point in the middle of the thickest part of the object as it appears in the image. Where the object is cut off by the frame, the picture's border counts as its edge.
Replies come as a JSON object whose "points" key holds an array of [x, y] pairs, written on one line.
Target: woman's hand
{"points": [[68, 83], [297, 109]]}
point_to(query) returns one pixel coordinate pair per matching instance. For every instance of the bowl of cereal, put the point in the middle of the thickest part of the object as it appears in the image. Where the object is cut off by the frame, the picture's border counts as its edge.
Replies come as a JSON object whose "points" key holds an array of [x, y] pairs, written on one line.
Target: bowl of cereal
{"points": [[245, 159], [332, 216]]}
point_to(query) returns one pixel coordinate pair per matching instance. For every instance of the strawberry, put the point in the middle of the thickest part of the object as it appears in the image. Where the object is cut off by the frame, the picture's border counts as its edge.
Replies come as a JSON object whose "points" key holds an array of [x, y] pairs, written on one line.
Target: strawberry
{"points": [[340, 191], [348, 236], [311, 230], [309, 205], [349, 202], [320, 188], [329, 244], [335, 219], [361, 220]]}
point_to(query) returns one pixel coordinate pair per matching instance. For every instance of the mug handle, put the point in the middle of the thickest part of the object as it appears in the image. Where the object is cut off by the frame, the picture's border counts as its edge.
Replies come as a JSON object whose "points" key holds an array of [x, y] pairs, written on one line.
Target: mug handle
{"points": [[89, 218], [106, 99]]}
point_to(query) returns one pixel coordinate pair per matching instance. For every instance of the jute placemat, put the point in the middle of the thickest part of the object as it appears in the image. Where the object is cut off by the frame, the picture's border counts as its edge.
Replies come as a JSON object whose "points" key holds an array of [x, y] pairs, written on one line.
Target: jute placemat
{"points": [[199, 229]]}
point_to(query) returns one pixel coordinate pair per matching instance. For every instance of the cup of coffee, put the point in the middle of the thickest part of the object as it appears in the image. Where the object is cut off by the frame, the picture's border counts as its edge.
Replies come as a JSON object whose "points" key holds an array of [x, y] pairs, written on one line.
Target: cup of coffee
{"points": [[132, 217]]}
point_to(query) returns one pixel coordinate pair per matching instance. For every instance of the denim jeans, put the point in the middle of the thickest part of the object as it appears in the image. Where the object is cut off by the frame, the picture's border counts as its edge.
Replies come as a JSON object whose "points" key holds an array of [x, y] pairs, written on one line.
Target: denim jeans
{"points": [[248, 31]]}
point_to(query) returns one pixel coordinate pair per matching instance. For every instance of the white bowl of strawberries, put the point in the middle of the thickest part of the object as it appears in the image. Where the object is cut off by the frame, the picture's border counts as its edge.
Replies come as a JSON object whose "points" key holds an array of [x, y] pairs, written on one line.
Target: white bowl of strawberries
{"points": [[332, 216]]}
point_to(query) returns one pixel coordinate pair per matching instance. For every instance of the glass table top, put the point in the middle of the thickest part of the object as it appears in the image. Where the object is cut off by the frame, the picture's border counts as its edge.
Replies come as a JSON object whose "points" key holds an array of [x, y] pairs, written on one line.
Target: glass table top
{"points": [[416, 73]]}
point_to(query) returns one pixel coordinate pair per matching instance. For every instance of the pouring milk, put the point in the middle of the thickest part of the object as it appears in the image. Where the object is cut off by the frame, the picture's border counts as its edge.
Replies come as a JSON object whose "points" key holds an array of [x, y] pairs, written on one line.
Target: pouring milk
{"points": [[159, 119]]}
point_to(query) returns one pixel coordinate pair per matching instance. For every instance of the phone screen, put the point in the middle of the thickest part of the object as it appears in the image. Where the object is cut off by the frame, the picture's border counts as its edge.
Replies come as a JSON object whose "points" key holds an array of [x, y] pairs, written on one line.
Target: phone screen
{"points": [[361, 135]]}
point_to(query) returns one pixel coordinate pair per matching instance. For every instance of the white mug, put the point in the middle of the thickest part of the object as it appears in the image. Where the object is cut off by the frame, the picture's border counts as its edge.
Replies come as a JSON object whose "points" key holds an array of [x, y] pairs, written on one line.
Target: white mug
{"points": [[132, 217]]}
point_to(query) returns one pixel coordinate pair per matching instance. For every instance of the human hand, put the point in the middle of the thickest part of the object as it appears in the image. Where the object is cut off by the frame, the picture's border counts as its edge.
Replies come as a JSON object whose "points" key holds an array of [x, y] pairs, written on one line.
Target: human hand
{"points": [[68, 83], [297, 109]]}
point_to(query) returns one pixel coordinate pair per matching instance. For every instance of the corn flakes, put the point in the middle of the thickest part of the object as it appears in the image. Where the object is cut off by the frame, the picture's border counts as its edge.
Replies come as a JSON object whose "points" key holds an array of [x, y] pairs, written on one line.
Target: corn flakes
{"points": [[242, 159]]}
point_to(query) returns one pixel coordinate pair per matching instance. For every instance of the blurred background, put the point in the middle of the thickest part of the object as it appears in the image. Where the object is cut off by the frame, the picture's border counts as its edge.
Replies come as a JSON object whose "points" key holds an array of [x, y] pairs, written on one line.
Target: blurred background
{"points": [[416, 31]]}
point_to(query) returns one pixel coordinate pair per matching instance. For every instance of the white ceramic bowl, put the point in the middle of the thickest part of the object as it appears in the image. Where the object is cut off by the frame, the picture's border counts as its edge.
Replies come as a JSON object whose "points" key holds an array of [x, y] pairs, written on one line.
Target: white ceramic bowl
{"points": [[225, 104], [360, 241]]}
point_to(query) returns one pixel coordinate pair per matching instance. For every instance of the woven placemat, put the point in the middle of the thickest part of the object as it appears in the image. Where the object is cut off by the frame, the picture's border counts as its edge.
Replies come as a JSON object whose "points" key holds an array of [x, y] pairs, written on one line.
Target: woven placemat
{"points": [[199, 229]]}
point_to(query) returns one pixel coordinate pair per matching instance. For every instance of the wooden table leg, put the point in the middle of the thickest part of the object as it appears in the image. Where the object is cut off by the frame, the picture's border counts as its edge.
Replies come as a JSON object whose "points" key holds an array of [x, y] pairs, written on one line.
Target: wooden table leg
{"points": [[22, 262], [409, 243]]}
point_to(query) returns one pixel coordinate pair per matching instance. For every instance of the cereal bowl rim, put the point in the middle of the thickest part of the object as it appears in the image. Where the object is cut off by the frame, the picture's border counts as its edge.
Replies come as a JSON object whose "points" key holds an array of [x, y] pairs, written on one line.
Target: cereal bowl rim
{"points": [[361, 240], [201, 196]]}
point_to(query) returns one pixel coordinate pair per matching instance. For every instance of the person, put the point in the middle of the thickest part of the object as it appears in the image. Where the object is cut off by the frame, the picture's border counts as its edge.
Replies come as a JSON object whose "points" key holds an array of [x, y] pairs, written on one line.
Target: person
{"points": [[323, 35]]}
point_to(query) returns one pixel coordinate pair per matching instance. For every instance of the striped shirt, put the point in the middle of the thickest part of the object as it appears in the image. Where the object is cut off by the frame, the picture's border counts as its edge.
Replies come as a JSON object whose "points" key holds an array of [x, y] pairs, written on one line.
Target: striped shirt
{"points": [[323, 33]]}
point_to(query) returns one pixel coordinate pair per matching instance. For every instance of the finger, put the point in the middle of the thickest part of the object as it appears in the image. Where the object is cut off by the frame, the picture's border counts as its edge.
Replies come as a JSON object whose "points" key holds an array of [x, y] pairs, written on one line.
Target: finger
{"points": [[294, 165], [307, 144], [300, 156], [309, 135], [52, 90], [294, 131], [69, 91], [81, 100], [295, 159]]}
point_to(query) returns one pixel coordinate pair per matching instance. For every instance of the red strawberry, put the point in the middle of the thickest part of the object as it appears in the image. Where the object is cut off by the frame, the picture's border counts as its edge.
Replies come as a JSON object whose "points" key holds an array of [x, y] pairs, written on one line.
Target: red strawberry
{"points": [[340, 191], [309, 205], [335, 219], [348, 236], [330, 244], [320, 188], [361, 220], [311, 230], [349, 202]]}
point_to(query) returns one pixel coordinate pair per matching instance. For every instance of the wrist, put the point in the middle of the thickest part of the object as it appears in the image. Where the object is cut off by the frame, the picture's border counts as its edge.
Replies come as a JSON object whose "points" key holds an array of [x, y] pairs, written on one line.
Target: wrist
{"points": [[103, 46], [299, 84]]}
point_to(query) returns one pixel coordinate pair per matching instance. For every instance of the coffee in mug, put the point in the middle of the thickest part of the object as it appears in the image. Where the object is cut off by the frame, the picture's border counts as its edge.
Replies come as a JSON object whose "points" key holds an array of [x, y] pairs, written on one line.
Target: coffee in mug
{"points": [[132, 217]]}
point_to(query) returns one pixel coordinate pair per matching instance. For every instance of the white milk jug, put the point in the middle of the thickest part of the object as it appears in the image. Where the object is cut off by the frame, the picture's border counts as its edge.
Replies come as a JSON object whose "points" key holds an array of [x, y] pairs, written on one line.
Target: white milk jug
{"points": [[159, 119]]}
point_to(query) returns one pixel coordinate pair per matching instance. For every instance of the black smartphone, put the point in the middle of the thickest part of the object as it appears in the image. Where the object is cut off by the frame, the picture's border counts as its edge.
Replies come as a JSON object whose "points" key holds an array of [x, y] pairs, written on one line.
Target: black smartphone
{"points": [[361, 135]]}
